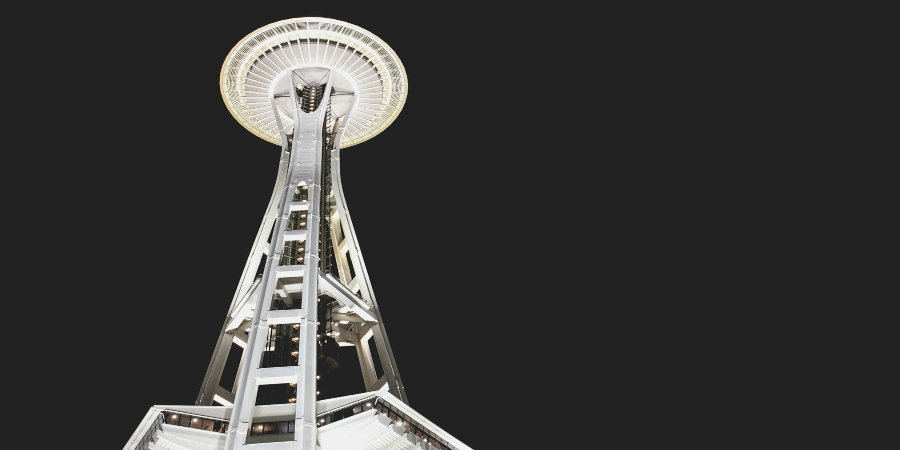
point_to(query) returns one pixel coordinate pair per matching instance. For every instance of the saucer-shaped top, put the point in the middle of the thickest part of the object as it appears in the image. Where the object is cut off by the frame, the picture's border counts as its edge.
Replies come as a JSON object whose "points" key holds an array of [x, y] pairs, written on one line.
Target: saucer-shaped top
{"points": [[247, 76]]}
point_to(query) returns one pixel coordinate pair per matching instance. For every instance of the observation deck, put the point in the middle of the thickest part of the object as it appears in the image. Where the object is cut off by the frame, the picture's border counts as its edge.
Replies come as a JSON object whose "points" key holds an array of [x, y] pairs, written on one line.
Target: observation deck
{"points": [[255, 91]]}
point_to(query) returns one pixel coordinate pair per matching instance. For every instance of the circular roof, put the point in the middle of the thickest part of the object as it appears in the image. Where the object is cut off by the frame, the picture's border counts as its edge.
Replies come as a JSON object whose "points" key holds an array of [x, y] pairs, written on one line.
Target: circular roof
{"points": [[247, 76]]}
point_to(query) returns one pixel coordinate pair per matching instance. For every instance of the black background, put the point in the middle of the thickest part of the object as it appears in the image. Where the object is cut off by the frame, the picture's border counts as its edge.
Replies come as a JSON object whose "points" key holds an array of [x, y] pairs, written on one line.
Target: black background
{"points": [[537, 223]]}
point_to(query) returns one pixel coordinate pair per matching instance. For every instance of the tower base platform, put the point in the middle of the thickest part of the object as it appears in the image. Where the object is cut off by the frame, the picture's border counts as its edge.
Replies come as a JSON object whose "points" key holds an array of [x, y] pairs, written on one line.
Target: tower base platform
{"points": [[370, 420]]}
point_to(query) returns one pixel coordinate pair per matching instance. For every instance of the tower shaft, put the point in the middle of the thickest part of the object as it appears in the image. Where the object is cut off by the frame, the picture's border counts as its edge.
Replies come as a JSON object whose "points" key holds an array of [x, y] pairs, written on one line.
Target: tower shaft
{"points": [[304, 292]]}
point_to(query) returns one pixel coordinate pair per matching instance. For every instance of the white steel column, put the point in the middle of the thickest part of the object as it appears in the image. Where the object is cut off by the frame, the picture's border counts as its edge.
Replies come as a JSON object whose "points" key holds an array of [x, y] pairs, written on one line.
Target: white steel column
{"points": [[304, 173]]}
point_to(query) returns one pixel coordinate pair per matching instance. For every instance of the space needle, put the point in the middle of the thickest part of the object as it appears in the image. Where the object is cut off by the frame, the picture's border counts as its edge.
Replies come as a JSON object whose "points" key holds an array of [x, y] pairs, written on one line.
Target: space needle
{"points": [[303, 360]]}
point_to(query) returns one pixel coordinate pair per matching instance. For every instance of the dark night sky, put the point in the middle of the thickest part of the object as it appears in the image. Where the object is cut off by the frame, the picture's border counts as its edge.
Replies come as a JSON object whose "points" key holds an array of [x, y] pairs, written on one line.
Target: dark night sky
{"points": [[428, 198], [522, 221]]}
